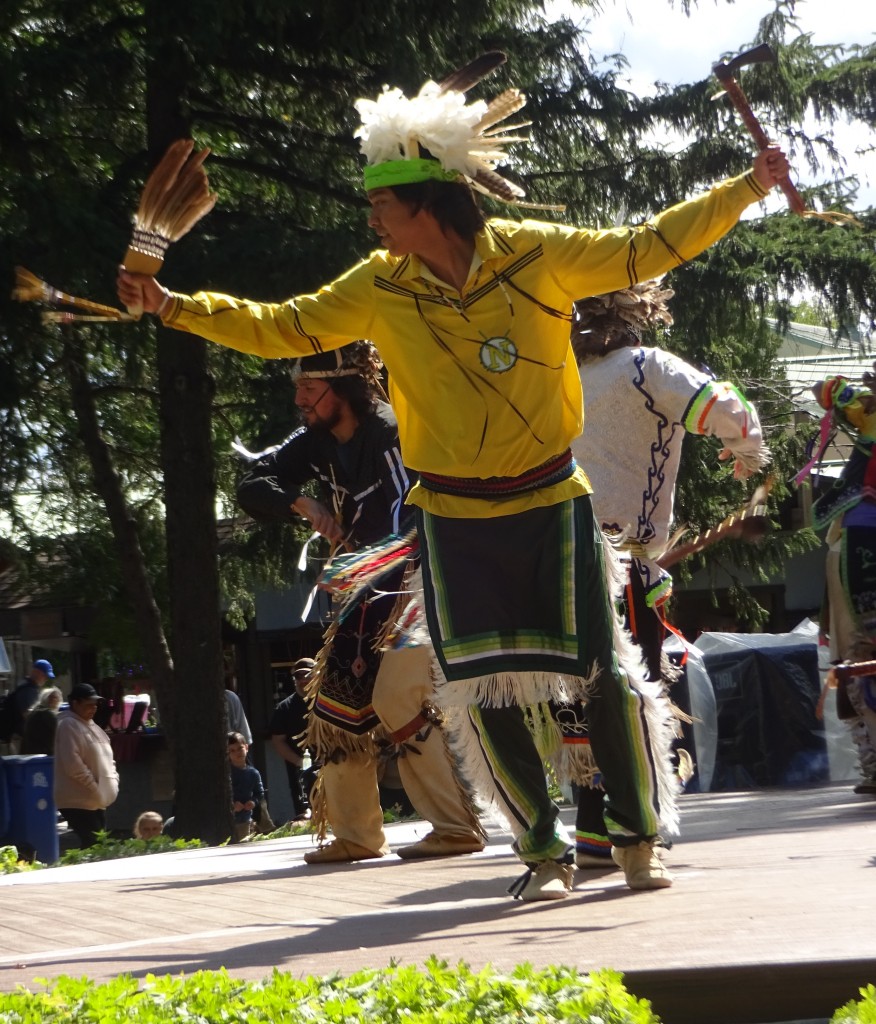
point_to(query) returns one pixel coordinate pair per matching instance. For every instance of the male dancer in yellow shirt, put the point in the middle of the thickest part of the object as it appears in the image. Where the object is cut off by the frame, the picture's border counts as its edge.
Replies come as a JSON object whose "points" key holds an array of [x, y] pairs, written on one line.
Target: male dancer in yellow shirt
{"points": [[471, 317]]}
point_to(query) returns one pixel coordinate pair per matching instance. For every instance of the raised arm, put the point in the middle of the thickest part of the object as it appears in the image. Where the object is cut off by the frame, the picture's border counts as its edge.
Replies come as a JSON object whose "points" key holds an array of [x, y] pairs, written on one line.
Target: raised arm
{"points": [[595, 262], [770, 166]]}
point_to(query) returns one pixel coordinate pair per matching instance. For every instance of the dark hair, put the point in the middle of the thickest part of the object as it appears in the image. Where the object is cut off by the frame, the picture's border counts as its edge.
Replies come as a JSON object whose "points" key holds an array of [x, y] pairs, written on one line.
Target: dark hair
{"points": [[236, 737], [601, 339], [356, 391], [451, 203]]}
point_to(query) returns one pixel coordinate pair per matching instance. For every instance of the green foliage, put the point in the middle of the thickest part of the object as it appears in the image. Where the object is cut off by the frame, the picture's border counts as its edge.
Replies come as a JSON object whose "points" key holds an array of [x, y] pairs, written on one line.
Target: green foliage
{"points": [[804, 312], [107, 848], [394, 813], [433, 994], [271, 92], [554, 791], [861, 1012], [10, 864], [291, 828]]}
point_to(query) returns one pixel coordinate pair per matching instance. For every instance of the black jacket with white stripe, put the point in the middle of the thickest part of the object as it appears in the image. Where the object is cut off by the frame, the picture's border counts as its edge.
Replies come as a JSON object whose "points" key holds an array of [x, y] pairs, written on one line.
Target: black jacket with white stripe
{"points": [[364, 478]]}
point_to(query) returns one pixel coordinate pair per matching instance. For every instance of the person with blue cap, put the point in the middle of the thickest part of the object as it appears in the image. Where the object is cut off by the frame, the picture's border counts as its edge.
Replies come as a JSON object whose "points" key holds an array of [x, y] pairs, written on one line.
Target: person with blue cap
{"points": [[25, 696]]}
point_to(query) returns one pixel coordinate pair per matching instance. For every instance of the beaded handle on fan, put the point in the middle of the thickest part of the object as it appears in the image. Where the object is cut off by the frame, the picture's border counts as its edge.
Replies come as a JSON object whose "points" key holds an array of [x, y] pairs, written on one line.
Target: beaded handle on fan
{"points": [[175, 197]]}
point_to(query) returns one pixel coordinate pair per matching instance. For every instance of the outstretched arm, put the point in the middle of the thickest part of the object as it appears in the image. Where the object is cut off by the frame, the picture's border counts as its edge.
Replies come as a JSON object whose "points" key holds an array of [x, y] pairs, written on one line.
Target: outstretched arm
{"points": [[339, 312]]}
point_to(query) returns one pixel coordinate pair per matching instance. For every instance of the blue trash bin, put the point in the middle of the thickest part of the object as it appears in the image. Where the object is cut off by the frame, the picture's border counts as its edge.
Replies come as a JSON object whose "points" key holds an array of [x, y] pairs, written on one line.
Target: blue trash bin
{"points": [[33, 818]]}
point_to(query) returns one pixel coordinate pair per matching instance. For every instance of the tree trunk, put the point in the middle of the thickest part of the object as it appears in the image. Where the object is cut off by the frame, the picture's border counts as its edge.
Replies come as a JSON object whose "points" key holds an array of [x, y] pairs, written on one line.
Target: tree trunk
{"points": [[203, 791], [203, 799], [109, 486]]}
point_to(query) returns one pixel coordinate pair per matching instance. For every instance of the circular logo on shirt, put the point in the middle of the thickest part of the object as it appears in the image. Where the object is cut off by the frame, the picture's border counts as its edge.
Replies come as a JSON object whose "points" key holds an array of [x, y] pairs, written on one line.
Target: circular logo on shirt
{"points": [[498, 354]]}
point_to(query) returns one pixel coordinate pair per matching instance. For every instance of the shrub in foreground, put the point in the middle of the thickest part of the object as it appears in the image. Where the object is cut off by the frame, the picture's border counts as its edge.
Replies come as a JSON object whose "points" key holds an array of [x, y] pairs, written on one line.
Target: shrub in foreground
{"points": [[433, 994], [12, 864], [862, 1011], [106, 848]]}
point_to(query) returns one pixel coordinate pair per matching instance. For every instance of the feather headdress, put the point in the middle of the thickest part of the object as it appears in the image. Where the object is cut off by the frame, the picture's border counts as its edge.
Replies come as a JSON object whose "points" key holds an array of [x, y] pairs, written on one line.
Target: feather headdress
{"points": [[604, 322], [438, 135], [175, 197]]}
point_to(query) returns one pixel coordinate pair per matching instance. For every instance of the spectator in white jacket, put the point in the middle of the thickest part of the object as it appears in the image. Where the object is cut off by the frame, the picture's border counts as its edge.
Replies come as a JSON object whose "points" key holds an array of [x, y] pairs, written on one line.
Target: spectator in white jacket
{"points": [[86, 779]]}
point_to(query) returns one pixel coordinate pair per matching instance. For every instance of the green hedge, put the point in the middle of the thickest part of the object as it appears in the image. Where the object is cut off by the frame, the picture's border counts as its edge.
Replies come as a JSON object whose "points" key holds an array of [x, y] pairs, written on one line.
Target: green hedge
{"points": [[106, 848], [862, 1011], [434, 994]]}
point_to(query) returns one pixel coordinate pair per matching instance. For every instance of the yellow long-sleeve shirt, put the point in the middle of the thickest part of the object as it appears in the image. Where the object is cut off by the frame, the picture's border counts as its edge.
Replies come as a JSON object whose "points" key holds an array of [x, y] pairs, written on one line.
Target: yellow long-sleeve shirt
{"points": [[483, 381]]}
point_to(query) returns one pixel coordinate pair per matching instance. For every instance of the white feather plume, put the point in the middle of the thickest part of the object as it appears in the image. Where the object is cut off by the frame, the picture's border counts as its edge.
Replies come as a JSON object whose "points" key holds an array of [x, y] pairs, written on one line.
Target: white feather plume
{"points": [[397, 128]]}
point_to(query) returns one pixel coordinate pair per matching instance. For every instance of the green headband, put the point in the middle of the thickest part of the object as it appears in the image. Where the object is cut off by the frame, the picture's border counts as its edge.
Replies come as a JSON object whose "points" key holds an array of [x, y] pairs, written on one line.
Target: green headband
{"points": [[406, 172]]}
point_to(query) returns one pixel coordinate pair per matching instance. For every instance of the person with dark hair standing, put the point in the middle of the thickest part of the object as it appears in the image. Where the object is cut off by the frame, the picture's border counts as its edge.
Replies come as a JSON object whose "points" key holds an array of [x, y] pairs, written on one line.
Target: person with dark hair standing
{"points": [[472, 320], [363, 706], [247, 790], [659, 398]]}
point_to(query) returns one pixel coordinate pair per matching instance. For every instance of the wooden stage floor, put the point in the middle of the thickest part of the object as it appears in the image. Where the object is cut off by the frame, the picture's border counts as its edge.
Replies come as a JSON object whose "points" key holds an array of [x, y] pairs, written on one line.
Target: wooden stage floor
{"points": [[771, 917]]}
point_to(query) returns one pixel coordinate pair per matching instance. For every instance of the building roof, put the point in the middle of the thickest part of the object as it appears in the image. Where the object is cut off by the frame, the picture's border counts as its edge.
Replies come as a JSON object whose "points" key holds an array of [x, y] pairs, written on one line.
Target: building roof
{"points": [[810, 354], [800, 340]]}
